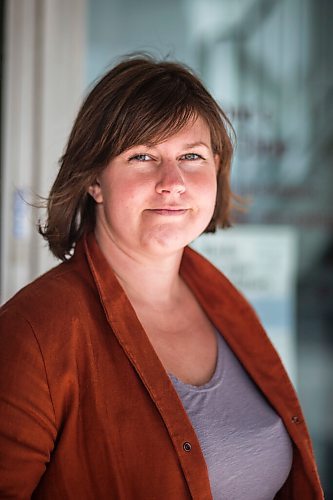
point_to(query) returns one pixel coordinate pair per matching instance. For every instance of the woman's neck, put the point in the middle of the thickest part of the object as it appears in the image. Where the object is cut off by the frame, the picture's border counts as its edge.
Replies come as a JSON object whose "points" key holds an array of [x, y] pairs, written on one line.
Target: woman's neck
{"points": [[146, 279]]}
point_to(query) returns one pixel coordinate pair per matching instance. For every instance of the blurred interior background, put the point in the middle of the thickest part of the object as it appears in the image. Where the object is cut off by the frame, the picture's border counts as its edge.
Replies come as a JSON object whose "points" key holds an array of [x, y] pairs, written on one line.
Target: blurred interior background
{"points": [[269, 64]]}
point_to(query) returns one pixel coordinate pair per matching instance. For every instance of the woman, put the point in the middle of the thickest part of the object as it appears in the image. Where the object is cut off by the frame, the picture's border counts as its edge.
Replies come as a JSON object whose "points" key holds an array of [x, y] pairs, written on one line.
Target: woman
{"points": [[134, 369]]}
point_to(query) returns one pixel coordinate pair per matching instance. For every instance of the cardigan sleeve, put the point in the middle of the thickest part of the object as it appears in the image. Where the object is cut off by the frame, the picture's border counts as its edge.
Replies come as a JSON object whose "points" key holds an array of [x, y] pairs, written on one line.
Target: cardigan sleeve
{"points": [[27, 419]]}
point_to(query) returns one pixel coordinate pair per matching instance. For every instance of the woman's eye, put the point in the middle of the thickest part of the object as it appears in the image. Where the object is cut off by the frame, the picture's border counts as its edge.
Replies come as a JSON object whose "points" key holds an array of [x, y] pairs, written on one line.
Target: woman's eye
{"points": [[140, 157], [191, 156]]}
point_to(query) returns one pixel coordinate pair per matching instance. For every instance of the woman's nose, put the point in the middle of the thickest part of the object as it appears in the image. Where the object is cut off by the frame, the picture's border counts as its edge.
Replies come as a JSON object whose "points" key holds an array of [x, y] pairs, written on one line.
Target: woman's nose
{"points": [[170, 179]]}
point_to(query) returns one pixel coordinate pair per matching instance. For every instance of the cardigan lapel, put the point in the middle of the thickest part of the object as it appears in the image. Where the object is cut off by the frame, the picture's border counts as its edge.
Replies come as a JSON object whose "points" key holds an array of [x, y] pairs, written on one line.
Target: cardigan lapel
{"points": [[237, 322], [137, 347]]}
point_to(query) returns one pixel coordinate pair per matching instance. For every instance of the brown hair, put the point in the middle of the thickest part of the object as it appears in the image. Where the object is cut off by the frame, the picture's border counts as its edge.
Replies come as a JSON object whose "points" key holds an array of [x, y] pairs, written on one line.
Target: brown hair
{"points": [[139, 101]]}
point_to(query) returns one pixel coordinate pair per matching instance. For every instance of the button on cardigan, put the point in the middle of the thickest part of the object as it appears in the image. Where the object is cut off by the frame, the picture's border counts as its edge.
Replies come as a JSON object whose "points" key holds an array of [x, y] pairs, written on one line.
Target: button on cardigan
{"points": [[88, 411]]}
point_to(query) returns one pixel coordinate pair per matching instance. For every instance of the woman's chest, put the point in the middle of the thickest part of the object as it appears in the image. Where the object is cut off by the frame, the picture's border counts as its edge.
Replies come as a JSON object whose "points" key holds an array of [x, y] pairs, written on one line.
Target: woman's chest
{"points": [[185, 342]]}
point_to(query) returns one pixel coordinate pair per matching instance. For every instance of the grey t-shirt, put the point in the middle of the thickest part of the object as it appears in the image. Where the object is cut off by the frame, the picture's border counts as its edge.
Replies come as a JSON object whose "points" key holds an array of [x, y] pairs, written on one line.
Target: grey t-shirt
{"points": [[245, 444]]}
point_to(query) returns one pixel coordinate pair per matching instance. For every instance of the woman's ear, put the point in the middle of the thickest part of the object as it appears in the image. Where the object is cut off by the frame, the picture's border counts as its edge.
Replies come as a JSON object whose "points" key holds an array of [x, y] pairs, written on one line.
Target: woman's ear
{"points": [[96, 192], [217, 160]]}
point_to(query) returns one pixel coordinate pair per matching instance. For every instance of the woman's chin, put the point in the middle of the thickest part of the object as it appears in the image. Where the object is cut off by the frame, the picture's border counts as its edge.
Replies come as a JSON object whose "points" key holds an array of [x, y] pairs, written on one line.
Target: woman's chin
{"points": [[169, 240]]}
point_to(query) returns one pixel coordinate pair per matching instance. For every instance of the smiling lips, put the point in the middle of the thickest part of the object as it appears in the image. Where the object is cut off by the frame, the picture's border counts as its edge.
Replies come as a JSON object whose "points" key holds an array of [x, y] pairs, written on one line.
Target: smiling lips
{"points": [[170, 211]]}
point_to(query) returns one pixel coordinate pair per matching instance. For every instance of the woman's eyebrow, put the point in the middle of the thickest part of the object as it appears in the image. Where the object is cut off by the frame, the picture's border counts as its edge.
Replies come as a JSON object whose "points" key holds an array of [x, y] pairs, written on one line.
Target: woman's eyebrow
{"points": [[153, 146], [195, 144]]}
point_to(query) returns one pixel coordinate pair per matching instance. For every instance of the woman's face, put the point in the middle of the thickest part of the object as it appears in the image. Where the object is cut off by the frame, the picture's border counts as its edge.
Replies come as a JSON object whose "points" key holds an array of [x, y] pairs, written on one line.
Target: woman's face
{"points": [[157, 199]]}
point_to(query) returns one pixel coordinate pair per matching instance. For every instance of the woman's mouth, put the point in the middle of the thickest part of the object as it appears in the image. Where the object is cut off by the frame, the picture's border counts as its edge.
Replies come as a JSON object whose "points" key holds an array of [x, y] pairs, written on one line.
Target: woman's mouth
{"points": [[169, 211]]}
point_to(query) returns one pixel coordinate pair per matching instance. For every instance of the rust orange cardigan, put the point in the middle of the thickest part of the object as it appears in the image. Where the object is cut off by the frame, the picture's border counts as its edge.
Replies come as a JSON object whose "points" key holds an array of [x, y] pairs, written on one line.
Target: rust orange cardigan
{"points": [[87, 410]]}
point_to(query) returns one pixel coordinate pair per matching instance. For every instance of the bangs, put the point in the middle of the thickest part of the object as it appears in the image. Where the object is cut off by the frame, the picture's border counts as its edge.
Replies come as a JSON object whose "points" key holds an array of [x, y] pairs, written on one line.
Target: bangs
{"points": [[155, 110]]}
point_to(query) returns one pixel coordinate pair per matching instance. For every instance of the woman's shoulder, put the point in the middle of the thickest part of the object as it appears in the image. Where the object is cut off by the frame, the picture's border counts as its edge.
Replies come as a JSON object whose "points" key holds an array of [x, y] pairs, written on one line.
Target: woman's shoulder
{"points": [[44, 288], [50, 298], [203, 275]]}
